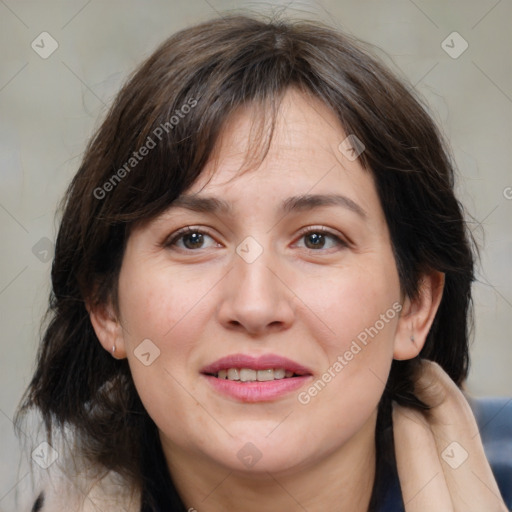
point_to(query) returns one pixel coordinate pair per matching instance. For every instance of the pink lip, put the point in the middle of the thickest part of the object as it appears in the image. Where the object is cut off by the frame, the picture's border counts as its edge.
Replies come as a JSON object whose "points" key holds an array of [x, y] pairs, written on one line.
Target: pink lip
{"points": [[255, 363], [256, 391]]}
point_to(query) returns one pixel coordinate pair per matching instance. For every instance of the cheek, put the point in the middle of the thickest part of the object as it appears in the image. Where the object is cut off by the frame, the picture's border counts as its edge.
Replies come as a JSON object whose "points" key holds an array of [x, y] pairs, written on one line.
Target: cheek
{"points": [[355, 325], [161, 305], [170, 313], [355, 302], [347, 392]]}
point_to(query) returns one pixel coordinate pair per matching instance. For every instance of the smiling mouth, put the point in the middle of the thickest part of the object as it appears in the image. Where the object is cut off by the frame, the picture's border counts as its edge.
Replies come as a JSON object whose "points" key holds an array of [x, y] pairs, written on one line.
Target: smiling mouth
{"points": [[251, 375], [250, 379]]}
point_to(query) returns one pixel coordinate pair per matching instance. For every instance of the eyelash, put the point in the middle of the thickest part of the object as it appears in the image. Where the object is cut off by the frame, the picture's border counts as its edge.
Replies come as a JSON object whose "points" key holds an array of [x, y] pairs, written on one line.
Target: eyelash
{"points": [[181, 233], [324, 232]]}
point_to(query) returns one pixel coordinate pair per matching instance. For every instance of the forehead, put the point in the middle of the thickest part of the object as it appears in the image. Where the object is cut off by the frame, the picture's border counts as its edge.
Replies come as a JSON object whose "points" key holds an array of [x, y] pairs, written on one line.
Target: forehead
{"points": [[304, 156], [304, 128]]}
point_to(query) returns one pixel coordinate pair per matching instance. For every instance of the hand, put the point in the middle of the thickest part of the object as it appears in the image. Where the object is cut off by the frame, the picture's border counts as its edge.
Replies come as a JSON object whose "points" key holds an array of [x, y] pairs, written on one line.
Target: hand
{"points": [[432, 477]]}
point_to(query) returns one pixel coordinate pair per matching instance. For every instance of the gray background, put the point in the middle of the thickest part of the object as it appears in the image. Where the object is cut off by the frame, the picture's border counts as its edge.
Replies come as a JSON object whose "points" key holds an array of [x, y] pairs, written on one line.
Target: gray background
{"points": [[50, 107]]}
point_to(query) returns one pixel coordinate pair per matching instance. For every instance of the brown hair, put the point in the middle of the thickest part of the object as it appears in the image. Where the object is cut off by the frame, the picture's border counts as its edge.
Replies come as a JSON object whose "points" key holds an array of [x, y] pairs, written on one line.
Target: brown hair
{"points": [[213, 68]]}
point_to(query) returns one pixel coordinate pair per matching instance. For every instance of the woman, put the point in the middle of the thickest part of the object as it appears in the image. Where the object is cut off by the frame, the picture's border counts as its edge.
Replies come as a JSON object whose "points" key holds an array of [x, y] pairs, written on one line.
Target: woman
{"points": [[261, 291]]}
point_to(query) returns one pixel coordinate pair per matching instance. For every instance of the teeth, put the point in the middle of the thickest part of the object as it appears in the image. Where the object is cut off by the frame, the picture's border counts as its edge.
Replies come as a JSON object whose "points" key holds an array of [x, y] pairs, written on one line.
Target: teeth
{"points": [[233, 374], [279, 373], [264, 375], [249, 375]]}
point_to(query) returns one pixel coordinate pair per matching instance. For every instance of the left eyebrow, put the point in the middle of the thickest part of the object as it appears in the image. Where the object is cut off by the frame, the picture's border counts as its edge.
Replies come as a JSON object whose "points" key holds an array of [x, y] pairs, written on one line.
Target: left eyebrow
{"points": [[311, 201], [207, 204]]}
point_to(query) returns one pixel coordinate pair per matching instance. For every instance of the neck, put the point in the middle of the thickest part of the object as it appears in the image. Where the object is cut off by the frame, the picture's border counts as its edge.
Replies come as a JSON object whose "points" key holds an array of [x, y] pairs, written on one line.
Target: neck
{"points": [[341, 480]]}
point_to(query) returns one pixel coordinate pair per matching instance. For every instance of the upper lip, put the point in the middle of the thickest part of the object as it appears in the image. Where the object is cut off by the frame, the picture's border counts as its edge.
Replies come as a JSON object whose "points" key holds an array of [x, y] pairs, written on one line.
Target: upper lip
{"points": [[255, 363]]}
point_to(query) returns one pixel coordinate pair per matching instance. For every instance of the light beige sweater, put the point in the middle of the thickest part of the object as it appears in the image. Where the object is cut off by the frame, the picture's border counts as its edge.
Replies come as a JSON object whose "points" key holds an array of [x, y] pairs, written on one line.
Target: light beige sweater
{"points": [[67, 489]]}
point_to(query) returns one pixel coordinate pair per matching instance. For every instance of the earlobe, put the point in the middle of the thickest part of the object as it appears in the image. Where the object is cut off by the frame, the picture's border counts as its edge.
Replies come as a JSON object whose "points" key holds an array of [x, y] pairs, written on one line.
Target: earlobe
{"points": [[417, 316], [108, 329]]}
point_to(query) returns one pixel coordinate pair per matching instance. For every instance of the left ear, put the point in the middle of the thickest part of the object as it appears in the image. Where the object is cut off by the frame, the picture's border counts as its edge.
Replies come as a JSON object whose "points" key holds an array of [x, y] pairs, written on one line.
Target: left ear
{"points": [[107, 328], [417, 316]]}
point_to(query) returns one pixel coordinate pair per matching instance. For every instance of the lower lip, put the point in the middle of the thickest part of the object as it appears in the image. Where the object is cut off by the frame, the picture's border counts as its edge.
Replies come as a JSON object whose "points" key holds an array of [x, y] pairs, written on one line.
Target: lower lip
{"points": [[257, 391]]}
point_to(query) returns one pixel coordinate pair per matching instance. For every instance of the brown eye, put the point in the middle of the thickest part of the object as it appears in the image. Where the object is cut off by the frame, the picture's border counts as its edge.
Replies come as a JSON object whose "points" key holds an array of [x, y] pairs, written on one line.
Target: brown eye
{"points": [[193, 240], [320, 238], [316, 240], [189, 239]]}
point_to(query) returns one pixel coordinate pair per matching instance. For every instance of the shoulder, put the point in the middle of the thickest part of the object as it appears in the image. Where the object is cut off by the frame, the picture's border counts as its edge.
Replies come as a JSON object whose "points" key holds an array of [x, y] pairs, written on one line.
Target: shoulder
{"points": [[494, 417], [63, 487]]}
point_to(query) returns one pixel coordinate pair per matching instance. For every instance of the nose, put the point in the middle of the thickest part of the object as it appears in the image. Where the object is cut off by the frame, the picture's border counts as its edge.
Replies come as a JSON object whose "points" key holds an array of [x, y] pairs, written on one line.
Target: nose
{"points": [[255, 297]]}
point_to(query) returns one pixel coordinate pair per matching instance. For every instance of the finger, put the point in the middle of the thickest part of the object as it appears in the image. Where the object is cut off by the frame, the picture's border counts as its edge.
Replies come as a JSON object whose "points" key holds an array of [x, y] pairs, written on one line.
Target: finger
{"points": [[420, 473], [467, 472]]}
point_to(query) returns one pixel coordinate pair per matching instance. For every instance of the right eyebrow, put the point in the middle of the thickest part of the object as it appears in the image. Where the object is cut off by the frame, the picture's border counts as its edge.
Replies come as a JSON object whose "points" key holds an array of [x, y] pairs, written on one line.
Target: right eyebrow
{"points": [[203, 204]]}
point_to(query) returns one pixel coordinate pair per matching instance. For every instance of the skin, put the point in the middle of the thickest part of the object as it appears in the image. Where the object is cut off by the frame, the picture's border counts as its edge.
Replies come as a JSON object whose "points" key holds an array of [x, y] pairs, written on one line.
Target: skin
{"points": [[198, 302], [461, 479]]}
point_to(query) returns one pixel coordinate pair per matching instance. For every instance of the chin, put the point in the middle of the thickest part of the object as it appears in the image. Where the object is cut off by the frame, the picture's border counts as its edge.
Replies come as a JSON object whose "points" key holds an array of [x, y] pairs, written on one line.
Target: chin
{"points": [[255, 462], [261, 454]]}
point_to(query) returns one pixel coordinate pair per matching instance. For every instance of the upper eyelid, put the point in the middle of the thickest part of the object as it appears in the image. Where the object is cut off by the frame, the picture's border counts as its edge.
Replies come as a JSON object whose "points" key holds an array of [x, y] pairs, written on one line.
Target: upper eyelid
{"points": [[343, 240], [179, 233]]}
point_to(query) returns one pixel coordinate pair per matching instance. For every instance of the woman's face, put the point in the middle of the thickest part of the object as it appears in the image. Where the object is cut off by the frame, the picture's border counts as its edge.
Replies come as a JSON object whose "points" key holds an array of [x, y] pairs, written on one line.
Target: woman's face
{"points": [[287, 267]]}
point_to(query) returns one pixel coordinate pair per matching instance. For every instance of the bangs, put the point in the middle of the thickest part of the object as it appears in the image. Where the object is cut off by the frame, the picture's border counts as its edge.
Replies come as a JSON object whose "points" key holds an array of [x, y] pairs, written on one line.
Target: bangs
{"points": [[165, 123]]}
